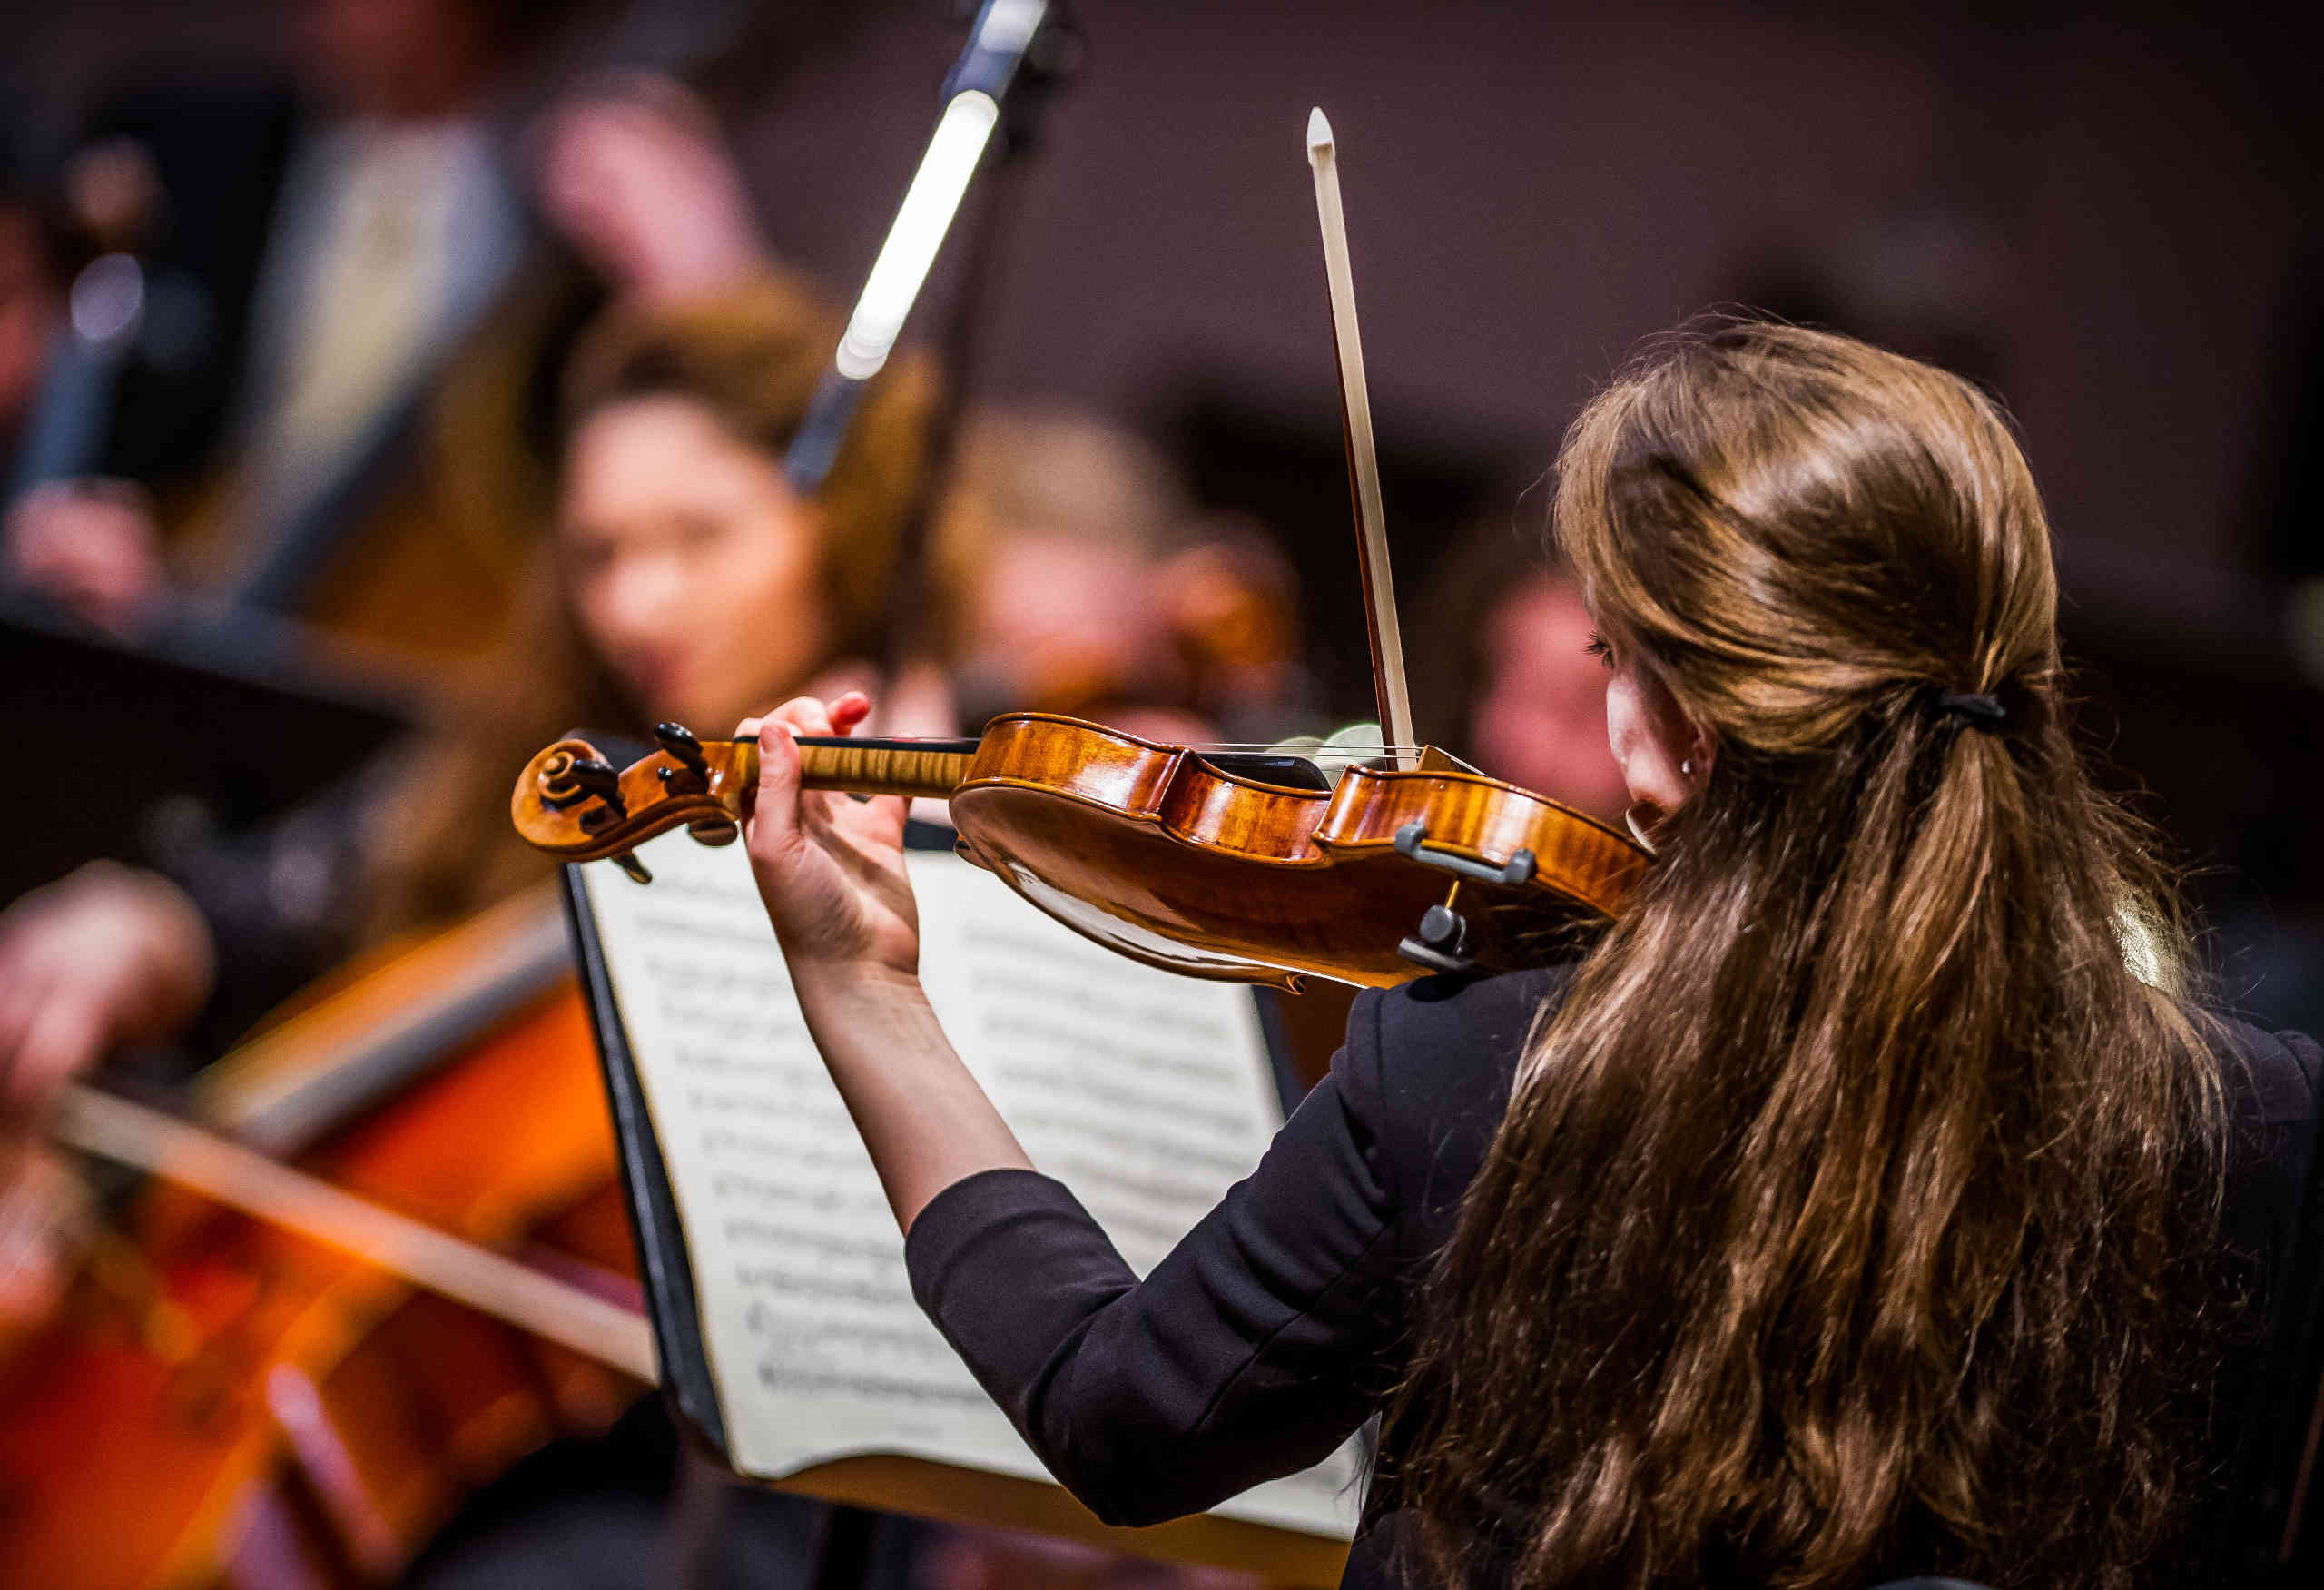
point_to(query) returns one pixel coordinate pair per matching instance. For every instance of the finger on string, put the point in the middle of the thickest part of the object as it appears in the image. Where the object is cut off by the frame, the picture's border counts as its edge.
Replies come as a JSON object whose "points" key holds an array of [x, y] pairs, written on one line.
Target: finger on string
{"points": [[849, 710], [803, 714], [775, 816]]}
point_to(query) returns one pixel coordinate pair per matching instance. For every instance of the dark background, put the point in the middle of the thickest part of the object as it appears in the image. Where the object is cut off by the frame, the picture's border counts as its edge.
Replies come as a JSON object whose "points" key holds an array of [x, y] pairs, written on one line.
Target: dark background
{"points": [[2107, 213]]}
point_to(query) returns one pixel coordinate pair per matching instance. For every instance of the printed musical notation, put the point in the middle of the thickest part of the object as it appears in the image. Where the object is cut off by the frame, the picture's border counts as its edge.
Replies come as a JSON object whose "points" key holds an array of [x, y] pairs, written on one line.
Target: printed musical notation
{"points": [[1148, 1095]]}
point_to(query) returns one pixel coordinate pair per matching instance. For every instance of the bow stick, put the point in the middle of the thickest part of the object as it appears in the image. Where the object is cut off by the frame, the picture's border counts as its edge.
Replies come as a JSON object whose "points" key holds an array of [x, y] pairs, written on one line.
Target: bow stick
{"points": [[1362, 464], [102, 1124]]}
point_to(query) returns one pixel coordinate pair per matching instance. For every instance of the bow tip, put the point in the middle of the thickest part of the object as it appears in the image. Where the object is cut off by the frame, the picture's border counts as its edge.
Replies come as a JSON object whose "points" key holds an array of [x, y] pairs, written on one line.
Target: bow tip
{"points": [[1319, 132]]}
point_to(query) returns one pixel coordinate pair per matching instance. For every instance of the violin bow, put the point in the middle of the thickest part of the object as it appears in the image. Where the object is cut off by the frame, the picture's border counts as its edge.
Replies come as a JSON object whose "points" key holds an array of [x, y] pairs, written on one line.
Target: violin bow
{"points": [[104, 1124], [1362, 462]]}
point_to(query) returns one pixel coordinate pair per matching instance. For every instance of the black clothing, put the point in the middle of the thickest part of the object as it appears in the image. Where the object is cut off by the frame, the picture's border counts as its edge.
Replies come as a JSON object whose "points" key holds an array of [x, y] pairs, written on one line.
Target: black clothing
{"points": [[1271, 1332]]}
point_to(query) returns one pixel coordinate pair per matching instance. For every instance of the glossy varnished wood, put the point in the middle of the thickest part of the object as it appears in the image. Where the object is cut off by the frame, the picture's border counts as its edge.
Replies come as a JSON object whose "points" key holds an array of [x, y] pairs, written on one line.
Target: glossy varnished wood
{"points": [[660, 792], [281, 1400], [1158, 854]]}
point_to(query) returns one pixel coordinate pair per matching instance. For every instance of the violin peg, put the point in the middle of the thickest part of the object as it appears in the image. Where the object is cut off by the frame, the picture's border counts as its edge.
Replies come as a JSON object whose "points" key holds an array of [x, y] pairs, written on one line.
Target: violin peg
{"points": [[628, 862], [683, 744], [601, 779]]}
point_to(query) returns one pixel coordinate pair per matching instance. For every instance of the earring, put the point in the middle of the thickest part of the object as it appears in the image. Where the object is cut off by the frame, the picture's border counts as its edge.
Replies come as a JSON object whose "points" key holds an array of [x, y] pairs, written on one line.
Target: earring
{"points": [[1687, 768]]}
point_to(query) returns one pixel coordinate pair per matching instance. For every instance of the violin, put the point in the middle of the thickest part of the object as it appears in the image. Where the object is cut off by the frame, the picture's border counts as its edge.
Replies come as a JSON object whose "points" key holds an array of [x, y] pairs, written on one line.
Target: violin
{"points": [[1220, 865]]}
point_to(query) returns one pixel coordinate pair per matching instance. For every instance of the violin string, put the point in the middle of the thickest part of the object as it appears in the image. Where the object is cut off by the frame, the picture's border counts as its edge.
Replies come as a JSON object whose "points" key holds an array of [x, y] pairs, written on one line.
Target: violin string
{"points": [[1279, 747], [1292, 747]]}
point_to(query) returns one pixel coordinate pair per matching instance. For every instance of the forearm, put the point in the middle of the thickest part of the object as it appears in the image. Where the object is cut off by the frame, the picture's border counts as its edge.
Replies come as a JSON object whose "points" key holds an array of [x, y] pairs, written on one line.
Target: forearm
{"points": [[922, 1113]]}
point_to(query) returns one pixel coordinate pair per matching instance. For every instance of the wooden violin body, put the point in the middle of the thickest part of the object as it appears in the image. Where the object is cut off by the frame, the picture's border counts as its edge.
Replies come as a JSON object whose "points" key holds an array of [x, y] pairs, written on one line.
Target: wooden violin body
{"points": [[1169, 856]]}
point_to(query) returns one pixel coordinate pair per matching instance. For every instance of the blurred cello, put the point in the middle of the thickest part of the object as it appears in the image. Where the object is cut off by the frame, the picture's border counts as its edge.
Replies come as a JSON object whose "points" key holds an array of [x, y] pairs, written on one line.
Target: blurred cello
{"points": [[223, 1398]]}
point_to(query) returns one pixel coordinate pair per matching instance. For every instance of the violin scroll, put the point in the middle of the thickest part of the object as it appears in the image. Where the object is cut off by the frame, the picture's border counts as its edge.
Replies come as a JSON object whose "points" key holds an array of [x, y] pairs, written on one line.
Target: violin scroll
{"points": [[576, 805]]}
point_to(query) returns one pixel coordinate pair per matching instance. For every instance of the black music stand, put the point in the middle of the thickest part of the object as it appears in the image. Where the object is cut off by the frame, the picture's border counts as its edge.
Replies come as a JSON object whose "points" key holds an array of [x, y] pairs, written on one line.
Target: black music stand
{"points": [[105, 733]]}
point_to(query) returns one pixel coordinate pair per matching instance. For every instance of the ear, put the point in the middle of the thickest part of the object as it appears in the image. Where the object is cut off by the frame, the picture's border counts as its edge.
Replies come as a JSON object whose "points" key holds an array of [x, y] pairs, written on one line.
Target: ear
{"points": [[1689, 745], [1702, 750]]}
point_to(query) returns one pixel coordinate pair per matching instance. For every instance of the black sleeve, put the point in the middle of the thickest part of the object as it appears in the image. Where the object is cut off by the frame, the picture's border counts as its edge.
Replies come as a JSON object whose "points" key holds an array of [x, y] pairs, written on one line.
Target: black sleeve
{"points": [[2272, 1083], [2269, 1277], [1254, 1348]]}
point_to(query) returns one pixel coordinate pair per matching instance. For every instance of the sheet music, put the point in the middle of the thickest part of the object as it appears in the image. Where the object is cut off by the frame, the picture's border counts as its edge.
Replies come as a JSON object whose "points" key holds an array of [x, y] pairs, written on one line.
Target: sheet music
{"points": [[1148, 1094]]}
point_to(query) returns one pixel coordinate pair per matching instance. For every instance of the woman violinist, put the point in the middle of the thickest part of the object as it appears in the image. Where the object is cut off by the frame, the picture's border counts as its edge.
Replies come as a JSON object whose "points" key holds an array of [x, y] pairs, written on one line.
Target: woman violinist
{"points": [[1869, 1201]]}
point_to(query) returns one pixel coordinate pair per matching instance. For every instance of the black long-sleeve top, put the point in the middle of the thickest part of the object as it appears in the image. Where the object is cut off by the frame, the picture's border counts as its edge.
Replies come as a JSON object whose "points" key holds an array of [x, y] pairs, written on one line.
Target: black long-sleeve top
{"points": [[1273, 1331]]}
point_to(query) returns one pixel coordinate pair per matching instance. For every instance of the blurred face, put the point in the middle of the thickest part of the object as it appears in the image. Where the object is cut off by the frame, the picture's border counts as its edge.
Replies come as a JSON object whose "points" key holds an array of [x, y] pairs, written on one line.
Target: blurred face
{"points": [[692, 567], [1056, 619], [1541, 718]]}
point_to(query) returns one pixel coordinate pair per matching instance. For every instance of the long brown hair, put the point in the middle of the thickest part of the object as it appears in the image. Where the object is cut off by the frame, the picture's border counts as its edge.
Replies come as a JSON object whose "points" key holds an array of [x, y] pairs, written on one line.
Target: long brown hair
{"points": [[1852, 1214], [752, 357]]}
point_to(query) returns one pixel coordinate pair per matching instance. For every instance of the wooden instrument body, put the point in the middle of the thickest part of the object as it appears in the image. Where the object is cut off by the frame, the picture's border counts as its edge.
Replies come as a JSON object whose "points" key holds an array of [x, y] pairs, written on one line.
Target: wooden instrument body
{"points": [[1159, 854], [251, 1406]]}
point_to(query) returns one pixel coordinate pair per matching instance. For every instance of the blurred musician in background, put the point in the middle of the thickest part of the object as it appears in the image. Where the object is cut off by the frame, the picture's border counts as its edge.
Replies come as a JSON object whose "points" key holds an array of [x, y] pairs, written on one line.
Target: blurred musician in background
{"points": [[1509, 675], [372, 457], [684, 579], [304, 257], [1081, 579]]}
